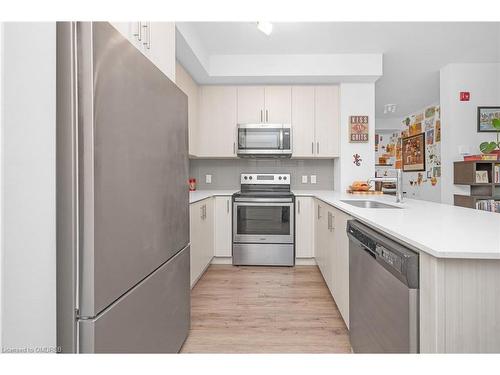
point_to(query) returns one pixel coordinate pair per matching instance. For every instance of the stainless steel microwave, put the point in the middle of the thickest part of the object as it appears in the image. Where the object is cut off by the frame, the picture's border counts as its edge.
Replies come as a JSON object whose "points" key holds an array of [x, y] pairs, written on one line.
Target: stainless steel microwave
{"points": [[265, 140]]}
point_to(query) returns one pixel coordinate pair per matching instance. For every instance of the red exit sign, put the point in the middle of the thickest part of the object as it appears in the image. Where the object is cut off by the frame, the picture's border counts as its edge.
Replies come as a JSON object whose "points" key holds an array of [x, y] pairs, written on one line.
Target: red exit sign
{"points": [[464, 96]]}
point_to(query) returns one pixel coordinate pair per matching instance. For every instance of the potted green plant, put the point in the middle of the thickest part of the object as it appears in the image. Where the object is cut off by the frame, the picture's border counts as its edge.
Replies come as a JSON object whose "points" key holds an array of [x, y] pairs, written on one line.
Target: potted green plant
{"points": [[492, 147]]}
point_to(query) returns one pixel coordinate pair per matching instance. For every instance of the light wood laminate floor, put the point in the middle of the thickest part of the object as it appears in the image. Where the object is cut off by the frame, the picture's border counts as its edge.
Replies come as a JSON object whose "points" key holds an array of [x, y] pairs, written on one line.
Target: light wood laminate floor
{"points": [[264, 310]]}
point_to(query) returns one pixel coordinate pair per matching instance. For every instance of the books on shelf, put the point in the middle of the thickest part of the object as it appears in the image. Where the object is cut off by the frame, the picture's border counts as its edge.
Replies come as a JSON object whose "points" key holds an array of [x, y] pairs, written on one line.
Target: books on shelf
{"points": [[496, 174], [488, 205], [481, 157]]}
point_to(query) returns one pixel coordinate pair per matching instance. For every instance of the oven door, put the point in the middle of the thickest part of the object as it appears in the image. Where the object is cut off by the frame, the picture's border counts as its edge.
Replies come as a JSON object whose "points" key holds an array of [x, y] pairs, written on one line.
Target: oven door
{"points": [[264, 139], [263, 220]]}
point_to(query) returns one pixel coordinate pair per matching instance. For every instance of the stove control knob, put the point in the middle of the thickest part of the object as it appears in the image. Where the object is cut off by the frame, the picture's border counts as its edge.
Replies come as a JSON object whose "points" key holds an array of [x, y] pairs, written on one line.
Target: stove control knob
{"points": [[246, 178], [284, 178], [279, 177], [250, 177]]}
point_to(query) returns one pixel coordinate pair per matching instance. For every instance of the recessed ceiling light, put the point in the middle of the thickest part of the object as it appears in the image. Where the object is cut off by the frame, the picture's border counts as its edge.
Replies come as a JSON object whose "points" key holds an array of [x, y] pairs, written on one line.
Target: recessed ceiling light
{"points": [[265, 27], [389, 108]]}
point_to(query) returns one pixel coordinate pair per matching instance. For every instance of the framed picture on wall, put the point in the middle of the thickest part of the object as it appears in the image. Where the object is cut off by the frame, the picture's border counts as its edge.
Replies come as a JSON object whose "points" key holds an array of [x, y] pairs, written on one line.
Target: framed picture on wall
{"points": [[484, 117], [413, 149], [358, 129]]}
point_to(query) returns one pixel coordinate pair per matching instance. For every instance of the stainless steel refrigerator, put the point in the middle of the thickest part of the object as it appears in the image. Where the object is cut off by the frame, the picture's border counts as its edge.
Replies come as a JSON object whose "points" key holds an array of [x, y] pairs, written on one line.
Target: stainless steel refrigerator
{"points": [[122, 198]]}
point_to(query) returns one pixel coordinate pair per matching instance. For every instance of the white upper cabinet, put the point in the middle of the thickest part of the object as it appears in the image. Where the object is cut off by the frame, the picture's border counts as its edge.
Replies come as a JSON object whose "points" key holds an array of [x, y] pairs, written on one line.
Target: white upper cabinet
{"points": [[269, 104], [313, 112], [251, 103], [315, 121], [278, 108], [156, 40], [160, 47], [217, 122], [192, 91], [303, 121], [327, 117]]}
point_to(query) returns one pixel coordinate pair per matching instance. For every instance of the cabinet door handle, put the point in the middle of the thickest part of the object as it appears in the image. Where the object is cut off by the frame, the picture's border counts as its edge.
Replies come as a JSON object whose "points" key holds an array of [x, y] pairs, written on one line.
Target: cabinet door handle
{"points": [[149, 35], [261, 116], [138, 33], [298, 207], [317, 147], [319, 212], [201, 212], [312, 148], [227, 205], [234, 147], [267, 115], [147, 27]]}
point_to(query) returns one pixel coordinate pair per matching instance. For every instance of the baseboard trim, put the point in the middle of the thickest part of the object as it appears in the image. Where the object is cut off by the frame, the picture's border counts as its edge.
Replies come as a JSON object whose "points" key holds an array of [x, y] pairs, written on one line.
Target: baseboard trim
{"points": [[298, 261], [305, 262], [222, 260]]}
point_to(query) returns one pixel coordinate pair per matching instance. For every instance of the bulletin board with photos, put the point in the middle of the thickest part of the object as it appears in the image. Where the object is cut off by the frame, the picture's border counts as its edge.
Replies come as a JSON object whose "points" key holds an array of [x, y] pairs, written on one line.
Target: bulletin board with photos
{"points": [[420, 146]]}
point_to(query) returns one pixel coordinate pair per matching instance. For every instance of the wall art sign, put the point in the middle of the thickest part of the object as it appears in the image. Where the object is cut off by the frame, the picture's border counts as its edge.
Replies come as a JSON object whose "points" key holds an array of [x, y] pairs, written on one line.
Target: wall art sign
{"points": [[413, 149], [484, 117], [357, 159], [358, 129]]}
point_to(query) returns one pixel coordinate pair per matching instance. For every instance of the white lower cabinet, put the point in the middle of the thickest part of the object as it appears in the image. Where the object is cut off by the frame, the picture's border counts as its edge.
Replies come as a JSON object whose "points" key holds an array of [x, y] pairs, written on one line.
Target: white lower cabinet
{"points": [[304, 227], [223, 226], [341, 264], [332, 253], [201, 232]]}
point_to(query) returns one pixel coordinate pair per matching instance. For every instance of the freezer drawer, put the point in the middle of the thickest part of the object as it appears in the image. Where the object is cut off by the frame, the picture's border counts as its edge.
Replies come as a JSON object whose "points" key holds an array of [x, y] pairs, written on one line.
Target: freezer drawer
{"points": [[153, 317]]}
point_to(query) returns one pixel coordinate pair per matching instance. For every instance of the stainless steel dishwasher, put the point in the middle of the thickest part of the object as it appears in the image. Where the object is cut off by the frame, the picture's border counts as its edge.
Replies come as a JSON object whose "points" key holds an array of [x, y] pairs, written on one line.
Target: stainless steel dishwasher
{"points": [[383, 293]]}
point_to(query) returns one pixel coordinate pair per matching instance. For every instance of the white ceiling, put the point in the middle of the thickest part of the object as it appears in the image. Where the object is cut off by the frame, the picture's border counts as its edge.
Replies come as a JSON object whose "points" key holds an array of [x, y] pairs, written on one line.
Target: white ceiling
{"points": [[413, 53]]}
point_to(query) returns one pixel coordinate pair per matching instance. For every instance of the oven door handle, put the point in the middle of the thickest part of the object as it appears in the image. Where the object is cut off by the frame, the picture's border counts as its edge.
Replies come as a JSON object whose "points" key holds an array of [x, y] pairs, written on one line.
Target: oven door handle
{"points": [[263, 200]]}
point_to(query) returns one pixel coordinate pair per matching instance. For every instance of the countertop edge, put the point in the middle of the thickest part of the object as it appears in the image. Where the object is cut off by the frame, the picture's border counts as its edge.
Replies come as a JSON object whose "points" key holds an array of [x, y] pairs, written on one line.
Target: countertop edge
{"points": [[200, 195]]}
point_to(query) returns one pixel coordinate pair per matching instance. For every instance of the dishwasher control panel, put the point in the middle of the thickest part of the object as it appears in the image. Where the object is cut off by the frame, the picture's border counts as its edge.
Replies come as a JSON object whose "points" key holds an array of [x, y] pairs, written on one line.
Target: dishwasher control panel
{"points": [[390, 258]]}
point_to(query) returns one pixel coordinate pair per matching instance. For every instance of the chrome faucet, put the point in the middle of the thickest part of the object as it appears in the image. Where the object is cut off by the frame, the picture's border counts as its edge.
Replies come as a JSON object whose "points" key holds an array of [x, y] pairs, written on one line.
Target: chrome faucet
{"points": [[398, 180]]}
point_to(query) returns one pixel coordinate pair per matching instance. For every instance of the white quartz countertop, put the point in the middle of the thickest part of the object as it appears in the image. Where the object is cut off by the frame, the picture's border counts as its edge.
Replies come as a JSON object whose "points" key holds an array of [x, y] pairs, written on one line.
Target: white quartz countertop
{"points": [[441, 230], [198, 195]]}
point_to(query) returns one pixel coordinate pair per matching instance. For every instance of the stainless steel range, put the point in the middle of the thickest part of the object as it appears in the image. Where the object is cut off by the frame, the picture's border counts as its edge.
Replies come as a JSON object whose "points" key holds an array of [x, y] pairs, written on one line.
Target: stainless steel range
{"points": [[263, 221]]}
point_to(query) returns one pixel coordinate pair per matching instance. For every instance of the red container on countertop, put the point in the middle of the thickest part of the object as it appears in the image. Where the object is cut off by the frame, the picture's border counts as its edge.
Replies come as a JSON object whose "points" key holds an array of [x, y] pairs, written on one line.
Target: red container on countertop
{"points": [[192, 184]]}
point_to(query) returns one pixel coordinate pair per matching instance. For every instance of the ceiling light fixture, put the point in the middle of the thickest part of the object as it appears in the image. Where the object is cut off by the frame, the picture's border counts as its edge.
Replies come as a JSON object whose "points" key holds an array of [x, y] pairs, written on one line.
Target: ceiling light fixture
{"points": [[265, 27], [389, 108]]}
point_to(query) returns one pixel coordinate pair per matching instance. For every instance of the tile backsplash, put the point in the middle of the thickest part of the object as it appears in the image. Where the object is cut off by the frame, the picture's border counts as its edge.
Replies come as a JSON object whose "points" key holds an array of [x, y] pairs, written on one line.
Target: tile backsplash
{"points": [[225, 173]]}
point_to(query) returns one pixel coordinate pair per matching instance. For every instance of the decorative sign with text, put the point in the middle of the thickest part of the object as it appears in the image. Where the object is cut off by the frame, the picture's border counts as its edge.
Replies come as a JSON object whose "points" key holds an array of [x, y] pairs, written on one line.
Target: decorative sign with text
{"points": [[358, 128]]}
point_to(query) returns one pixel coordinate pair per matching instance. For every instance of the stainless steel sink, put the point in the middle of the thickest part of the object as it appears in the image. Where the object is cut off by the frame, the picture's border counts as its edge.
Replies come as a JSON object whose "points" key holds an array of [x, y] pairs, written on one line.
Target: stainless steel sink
{"points": [[368, 204]]}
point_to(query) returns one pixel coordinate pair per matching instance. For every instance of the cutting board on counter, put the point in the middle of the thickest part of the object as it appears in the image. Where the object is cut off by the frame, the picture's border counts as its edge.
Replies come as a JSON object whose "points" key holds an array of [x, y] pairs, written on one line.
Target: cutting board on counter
{"points": [[365, 192]]}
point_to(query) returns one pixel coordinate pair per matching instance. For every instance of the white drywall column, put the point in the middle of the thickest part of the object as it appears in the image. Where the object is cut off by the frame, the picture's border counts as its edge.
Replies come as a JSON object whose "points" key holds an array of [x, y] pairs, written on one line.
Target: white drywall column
{"points": [[459, 119], [1, 180], [28, 185], [355, 99]]}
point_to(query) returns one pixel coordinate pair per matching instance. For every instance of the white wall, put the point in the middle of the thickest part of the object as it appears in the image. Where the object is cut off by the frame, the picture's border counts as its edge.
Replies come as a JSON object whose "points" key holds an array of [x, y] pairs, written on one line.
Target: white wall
{"points": [[388, 124], [355, 99], [1, 179], [458, 118], [28, 185]]}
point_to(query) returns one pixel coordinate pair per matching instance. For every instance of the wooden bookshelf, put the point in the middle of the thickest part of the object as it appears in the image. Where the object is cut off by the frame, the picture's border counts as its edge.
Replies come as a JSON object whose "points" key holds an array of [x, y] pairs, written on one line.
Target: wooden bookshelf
{"points": [[464, 173]]}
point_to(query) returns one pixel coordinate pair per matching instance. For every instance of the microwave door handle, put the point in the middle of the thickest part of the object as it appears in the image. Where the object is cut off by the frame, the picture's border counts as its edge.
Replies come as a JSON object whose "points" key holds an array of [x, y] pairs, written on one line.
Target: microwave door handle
{"points": [[281, 140]]}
